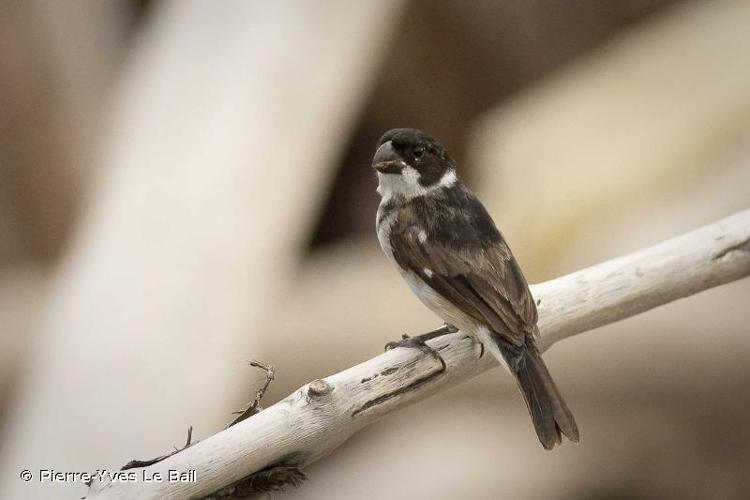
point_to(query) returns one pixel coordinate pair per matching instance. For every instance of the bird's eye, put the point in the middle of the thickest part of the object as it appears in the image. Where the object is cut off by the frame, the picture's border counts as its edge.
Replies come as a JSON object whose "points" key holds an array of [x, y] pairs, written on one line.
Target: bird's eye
{"points": [[418, 152]]}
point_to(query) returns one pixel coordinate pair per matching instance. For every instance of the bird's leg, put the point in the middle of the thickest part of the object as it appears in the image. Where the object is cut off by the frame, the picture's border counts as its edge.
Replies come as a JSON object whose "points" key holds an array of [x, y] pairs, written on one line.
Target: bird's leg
{"points": [[406, 339], [420, 342]]}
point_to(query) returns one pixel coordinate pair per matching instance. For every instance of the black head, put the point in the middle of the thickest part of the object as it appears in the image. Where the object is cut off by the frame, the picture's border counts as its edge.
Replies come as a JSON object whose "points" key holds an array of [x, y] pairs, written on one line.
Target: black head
{"points": [[407, 147]]}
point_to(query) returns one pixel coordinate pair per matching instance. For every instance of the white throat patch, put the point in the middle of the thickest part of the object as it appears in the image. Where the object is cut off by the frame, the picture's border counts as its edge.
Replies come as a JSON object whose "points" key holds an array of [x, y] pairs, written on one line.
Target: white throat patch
{"points": [[407, 185], [448, 179]]}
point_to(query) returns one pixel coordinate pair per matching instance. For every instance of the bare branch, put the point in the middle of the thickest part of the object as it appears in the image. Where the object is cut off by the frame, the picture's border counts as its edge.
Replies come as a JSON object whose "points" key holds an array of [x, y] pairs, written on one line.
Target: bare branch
{"points": [[255, 407], [314, 420], [139, 464]]}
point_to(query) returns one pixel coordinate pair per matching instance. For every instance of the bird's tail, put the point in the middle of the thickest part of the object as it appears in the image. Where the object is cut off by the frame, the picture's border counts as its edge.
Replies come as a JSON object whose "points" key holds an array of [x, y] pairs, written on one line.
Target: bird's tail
{"points": [[549, 413]]}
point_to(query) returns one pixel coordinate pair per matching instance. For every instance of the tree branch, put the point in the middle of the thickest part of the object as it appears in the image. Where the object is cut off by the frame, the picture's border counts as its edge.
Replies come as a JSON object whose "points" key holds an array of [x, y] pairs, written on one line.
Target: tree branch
{"points": [[314, 420]]}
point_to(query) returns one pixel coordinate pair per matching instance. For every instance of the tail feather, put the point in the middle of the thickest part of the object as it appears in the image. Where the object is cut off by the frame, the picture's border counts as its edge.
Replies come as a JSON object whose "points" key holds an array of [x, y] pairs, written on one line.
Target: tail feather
{"points": [[549, 413]]}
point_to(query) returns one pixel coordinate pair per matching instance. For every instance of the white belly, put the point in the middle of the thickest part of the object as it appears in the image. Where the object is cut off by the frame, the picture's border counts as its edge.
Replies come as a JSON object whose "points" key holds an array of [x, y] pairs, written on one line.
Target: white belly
{"points": [[440, 305], [453, 315]]}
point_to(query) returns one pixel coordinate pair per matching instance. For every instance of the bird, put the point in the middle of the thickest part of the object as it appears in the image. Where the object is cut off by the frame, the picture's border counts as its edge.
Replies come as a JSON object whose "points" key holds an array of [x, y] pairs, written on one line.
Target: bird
{"points": [[446, 246]]}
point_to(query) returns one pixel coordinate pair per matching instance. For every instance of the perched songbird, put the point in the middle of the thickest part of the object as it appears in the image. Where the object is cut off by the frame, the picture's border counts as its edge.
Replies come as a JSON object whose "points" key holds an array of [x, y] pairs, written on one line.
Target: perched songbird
{"points": [[447, 248]]}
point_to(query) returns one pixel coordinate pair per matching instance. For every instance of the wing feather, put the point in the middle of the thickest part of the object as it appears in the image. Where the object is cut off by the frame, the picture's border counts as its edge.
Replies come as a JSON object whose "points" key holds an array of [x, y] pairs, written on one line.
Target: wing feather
{"points": [[481, 277]]}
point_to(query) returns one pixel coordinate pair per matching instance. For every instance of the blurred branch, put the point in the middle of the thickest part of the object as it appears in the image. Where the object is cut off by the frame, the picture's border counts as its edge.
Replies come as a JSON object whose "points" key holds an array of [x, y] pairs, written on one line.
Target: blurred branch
{"points": [[169, 242], [56, 64], [622, 163], [311, 422]]}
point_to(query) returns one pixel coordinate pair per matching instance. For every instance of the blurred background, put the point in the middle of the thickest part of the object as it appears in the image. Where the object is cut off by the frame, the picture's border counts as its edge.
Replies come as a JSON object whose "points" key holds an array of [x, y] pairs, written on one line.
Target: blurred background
{"points": [[185, 186]]}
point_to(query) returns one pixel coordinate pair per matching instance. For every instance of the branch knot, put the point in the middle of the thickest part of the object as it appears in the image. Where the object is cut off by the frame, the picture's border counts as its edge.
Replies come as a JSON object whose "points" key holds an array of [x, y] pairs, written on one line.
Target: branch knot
{"points": [[319, 388]]}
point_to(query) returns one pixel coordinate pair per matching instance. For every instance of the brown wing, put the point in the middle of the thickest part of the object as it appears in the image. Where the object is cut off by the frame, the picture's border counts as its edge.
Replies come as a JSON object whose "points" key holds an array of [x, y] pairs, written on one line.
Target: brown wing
{"points": [[480, 276]]}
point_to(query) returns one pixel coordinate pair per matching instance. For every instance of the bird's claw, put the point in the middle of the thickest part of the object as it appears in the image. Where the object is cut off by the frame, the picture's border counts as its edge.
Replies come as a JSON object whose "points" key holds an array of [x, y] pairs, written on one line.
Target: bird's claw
{"points": [[397, 343], [417, 343]]}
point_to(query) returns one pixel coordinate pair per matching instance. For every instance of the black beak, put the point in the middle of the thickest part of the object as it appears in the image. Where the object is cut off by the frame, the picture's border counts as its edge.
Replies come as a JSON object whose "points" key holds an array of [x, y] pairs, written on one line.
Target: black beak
{"points": [[387, 160]]}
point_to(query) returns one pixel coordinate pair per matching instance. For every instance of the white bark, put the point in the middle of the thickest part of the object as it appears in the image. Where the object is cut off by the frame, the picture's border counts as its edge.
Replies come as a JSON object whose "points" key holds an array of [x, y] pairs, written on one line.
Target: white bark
{"points": [[310, 423]]}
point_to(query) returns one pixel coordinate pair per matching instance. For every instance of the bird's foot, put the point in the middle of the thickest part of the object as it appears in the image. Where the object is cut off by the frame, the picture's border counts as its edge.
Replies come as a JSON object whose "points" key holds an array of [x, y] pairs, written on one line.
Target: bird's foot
{"points": [[438, 332], [417, 342]]}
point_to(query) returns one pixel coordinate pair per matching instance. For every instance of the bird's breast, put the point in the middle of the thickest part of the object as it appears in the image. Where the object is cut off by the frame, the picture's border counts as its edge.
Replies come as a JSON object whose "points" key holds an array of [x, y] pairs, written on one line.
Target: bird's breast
{"points": [[384, 224]]}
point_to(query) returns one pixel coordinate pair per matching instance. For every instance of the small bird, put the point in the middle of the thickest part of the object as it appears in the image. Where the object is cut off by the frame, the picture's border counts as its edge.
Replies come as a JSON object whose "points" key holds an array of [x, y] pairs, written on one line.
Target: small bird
{"points": [[447, 248]]}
